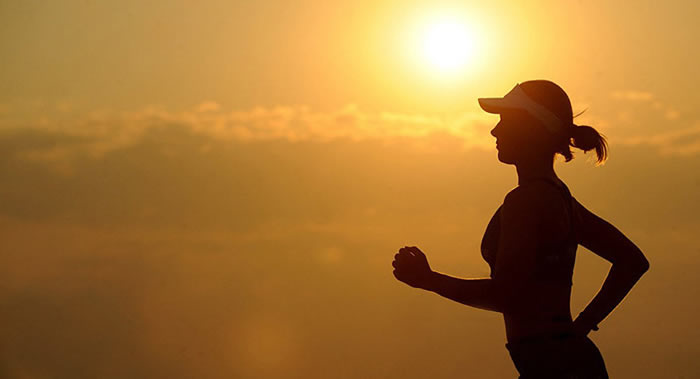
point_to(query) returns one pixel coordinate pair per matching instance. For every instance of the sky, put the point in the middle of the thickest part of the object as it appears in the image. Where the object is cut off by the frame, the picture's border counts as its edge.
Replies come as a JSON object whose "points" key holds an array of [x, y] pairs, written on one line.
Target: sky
{"points": [[217, 188]]}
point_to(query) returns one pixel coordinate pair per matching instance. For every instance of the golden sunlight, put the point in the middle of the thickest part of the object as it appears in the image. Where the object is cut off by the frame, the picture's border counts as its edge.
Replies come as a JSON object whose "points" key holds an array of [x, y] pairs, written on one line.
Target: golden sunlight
{"points": [[447, 45]]}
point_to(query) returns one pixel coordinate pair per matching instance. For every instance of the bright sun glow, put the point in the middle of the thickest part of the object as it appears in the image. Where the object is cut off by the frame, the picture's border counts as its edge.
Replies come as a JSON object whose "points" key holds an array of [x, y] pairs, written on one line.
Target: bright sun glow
{"points": [[447, 45]]}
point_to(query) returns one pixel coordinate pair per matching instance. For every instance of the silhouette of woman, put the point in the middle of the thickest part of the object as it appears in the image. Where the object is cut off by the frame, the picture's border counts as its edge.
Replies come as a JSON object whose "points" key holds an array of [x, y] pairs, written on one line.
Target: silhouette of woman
{"points": [[530, 243]]}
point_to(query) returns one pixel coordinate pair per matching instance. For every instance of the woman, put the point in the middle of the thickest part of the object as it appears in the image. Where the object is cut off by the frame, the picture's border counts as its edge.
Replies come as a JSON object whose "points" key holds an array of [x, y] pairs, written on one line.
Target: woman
{"points": [[530, 243]]}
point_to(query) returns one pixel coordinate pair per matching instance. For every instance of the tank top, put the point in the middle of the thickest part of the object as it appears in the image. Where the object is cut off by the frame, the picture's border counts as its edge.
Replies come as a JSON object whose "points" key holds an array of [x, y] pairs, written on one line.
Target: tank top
{"points": [[553, 263]]}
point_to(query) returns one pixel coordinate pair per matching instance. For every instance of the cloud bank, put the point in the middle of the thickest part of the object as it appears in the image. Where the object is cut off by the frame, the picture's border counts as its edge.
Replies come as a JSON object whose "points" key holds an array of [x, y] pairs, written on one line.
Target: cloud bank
{"points": [[69, 135], [94, 134]]}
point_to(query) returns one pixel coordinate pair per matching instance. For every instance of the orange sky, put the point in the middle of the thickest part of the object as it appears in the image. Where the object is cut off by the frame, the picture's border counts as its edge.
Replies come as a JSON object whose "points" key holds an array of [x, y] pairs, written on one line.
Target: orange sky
{"points": [[217, 189]]}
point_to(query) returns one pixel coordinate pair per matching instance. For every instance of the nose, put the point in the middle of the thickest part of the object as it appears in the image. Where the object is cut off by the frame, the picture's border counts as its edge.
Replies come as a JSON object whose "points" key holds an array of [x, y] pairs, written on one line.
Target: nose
{"points": [[493, 131]]}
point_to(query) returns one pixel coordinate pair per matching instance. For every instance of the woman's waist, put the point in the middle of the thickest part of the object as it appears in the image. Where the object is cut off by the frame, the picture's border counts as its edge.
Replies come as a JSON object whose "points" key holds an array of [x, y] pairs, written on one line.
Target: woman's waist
{"points": [[536, 297], [537, 324], [541, 310]]}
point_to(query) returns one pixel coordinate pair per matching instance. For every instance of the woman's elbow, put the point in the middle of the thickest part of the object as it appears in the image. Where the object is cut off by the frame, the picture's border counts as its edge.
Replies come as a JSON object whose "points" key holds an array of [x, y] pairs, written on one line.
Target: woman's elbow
{"points": [[638, 265], [644, 265], [641, 263]]}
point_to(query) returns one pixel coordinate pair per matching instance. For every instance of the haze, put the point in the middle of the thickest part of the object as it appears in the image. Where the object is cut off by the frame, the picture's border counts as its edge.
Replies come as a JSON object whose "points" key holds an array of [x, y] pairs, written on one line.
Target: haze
{"points": [[216, 189]]}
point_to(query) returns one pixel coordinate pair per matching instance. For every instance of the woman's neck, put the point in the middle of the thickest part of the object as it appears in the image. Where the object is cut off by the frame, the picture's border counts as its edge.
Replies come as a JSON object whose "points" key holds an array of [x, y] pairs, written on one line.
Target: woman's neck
{"points": [[535, 169]]}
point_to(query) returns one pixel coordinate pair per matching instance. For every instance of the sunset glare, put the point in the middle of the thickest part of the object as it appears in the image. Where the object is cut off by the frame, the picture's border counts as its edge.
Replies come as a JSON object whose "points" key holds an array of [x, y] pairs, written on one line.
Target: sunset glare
{"points": [[447, 46]]}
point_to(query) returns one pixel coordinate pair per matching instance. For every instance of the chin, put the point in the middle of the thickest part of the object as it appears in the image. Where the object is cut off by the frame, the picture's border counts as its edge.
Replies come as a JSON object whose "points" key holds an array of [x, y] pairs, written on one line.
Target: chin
{"points": [[505, 158]]}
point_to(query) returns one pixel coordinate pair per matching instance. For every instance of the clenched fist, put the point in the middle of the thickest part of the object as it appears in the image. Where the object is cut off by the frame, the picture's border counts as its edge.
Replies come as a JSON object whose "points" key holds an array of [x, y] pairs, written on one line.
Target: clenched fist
{"points": [[411, 267]]}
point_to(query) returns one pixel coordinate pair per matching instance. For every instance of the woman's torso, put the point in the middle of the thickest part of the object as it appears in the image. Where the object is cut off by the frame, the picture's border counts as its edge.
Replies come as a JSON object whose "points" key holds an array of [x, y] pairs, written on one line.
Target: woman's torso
{"points": [[548, 292]]}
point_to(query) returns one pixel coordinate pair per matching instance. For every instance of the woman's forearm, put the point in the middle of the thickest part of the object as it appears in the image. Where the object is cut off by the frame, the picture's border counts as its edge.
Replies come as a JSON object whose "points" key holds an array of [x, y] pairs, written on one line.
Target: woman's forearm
{"points": [[618, 283], [478, 293]]}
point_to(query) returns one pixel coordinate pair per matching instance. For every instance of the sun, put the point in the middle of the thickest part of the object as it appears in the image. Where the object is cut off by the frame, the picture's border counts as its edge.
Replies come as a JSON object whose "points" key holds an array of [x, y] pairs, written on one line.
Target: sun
{"points": [[447, 45]]}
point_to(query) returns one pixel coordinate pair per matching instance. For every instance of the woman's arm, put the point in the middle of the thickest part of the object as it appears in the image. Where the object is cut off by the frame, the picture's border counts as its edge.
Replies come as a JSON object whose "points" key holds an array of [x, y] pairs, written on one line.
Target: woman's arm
{"points": [[477, 293], [628, 265], [411, 267], [521, 215]]}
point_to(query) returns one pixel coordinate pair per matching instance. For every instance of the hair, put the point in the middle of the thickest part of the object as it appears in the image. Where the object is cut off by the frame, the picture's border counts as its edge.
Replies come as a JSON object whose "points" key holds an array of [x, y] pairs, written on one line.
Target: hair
{"points": [[586, 138], [583, 137]]}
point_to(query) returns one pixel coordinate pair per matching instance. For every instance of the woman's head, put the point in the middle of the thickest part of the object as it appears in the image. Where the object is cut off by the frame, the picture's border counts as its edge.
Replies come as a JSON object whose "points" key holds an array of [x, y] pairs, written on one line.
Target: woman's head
{"points": [[537, 122]]}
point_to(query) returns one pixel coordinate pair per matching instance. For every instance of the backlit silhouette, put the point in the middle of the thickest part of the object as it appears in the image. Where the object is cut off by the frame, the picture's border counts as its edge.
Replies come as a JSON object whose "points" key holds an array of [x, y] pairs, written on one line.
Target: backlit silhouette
{"points": [[530, 243]]}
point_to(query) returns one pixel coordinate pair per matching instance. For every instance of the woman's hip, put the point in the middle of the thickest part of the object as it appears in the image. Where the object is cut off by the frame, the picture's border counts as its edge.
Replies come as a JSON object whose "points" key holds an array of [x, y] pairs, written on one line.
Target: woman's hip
{"points": [[560, 355]]}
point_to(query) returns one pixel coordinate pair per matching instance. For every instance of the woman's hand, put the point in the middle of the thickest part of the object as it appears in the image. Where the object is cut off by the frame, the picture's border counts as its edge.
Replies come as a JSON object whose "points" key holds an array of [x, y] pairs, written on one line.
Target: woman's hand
{"points": [[411, 267], [582, 327]]}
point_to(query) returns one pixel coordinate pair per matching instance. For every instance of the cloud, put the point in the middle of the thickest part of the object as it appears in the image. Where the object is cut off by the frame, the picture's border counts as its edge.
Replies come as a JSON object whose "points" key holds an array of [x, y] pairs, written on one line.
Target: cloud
{"points": [[97, 133], [631, 95], [645, 116], [69, 136], [208, 106], [684, 141], [643, 97], [672, 114]]}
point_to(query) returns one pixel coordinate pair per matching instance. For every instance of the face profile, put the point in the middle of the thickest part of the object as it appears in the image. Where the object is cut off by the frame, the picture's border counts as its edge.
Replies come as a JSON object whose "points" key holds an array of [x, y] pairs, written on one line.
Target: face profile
{"points": [[519, 138]]}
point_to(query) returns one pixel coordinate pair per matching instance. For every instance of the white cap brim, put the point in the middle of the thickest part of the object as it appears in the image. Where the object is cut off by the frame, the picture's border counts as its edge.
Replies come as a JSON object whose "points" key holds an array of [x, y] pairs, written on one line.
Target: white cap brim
{"points": [[518, 99], [493, 104]]}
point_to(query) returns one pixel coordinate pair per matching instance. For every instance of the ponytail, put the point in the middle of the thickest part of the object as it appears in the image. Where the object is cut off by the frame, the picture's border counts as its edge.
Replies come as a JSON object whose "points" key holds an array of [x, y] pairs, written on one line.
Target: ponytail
{"points": [[586, 138]]}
